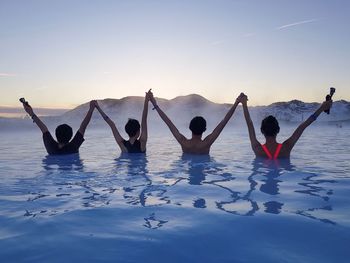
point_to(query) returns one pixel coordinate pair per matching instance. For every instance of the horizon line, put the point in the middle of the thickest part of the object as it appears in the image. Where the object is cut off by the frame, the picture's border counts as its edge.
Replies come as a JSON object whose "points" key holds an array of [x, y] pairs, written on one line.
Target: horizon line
{"points": [[4, 107]]}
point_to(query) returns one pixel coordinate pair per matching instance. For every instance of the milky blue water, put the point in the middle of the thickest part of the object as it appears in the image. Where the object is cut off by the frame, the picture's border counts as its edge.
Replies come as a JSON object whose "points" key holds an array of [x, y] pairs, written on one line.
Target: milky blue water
{"points": [[169, 207]]}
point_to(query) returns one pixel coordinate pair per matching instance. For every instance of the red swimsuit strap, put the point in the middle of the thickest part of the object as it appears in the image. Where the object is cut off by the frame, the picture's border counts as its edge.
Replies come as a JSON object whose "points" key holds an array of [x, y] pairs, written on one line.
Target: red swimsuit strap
{"points": [[266, 151], [277, 152]]}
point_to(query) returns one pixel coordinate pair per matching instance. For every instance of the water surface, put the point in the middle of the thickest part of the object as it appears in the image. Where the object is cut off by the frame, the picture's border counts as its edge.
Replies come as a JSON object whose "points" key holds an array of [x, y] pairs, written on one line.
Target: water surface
{"points": [[164, 206]]}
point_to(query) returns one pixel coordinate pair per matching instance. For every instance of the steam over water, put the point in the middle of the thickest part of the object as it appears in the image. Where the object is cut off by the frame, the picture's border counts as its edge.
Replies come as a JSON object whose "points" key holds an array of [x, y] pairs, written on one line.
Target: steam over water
{"points": [[169, 207]]}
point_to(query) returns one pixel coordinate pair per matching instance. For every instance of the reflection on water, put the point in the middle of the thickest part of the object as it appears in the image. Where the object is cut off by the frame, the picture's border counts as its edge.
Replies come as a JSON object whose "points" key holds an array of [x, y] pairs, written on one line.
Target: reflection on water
{"points": [[153, 223], [66, 183], [271, 172], [168, 207], [70, 162]]}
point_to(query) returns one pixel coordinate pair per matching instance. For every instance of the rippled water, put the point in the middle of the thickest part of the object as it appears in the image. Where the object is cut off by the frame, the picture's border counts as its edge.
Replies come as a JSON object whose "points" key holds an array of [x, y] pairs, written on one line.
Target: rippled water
{"points": [[168, 207]]}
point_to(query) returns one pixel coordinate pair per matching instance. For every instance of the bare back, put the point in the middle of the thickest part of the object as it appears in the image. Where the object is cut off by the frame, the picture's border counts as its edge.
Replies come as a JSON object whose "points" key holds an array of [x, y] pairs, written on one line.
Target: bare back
{"points": [[272, 148], [195, 146]]}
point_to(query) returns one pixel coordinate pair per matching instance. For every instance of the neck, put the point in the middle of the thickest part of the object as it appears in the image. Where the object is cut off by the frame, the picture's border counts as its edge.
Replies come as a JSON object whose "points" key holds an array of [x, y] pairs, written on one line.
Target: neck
{"points": [[132, 139], [270, 139], [196, 137]]}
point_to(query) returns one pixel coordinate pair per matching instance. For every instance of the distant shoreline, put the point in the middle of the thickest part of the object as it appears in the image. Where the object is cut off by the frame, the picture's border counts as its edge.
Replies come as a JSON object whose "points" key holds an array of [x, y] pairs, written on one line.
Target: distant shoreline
{"points": [[289, 110], [18, 112]]}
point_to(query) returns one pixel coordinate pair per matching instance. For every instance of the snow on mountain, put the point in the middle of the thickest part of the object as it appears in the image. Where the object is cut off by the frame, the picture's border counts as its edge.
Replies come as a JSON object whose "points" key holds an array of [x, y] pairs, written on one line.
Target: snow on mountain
{"points": [[297, 111], [183, 108]]}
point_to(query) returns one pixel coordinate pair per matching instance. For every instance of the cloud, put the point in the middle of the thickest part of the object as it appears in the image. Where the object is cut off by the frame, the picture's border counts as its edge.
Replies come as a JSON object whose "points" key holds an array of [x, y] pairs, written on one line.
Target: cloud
{"points": [[3, 74], [296, 24]]}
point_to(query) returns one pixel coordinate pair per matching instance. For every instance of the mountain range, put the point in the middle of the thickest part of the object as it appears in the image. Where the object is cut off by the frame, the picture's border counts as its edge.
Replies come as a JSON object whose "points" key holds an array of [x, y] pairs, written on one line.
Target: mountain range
{"points": [[181, 109]]}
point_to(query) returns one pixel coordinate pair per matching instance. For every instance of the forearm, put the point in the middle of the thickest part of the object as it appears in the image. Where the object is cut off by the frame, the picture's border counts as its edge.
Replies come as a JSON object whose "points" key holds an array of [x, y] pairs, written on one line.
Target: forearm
{"points": [[86, 121], [229, 114], [106, 118], [39, 123], [250, 126], [310, 120], [144, 119], [247, 116], [178, 136], [35, 118], [299, 131], [164, 117], [103, 114], [218, 129], [314, 116]]}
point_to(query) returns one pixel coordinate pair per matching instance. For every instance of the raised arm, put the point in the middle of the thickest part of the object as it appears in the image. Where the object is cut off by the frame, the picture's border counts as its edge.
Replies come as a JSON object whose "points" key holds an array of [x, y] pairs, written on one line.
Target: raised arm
{"points": [[87, 118], [178, 136], [35, 118], [118, 138], [144, 132], [210, 139], [291, 141], [252, 136]]}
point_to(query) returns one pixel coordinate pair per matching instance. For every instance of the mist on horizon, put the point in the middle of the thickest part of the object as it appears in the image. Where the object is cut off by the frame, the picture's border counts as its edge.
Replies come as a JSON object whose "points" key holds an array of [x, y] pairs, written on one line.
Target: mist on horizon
{"points": [[180, 110]]}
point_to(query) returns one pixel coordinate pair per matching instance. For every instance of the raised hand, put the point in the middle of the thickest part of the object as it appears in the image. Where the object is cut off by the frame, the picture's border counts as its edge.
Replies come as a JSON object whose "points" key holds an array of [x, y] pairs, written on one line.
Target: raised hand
{"points": [[97, 106], [87, 118], [35, 118], [148, 94], [151, 98], [243, 98], [326, 105], [93, 104], [28, 109]]}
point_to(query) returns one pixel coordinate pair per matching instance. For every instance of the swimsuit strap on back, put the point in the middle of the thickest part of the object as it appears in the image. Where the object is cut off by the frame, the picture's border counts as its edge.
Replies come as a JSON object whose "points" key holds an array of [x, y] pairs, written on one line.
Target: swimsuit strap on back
{"points": [[266, 151], [277, 152]]}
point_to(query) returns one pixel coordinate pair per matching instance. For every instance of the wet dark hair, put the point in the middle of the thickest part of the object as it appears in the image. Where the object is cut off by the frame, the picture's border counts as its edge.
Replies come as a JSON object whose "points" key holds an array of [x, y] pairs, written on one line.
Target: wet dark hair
{"points": [[132, 127], [269, 126], [198, 125], [64, 133]]}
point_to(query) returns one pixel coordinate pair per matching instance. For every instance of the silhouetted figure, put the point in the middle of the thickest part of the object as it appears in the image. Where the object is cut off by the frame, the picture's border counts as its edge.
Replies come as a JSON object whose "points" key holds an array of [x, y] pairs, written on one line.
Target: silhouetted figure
{"points": [[64, 133], [195, 145], [137, 141], [270, 128]]}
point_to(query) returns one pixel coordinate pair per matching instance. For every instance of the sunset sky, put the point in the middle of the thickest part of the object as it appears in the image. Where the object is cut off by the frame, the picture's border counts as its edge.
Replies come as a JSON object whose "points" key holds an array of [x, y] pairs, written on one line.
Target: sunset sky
{"points": [[59, 54]]}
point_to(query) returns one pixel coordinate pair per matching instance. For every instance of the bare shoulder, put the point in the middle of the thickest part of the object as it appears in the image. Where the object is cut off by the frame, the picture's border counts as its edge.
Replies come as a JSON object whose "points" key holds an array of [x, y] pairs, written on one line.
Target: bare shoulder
{"points": [[185, 142], [258, 150], [286, 149], [287, 145], [190, 146]]}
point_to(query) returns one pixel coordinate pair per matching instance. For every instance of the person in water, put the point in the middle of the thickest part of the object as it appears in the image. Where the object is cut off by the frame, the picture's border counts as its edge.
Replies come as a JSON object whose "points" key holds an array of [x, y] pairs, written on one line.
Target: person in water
{"points": [[270, 128], [137, 140], [64, 133], [195, 145]]}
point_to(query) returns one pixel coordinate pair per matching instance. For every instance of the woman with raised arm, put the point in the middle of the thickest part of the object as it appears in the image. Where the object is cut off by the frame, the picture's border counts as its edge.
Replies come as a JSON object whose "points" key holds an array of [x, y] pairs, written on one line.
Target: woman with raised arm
{"points": [[137, 140], [64, 132], [270, 128], [195, 145]]}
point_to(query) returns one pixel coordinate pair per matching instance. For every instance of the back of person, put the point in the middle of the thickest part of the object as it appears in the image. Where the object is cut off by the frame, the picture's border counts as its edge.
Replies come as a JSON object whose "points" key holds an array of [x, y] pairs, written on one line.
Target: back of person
{"points": [[133, 147], [198, 126], [137, 133], [63, 132], [195, 147], [53, 147], [273, 151]]}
